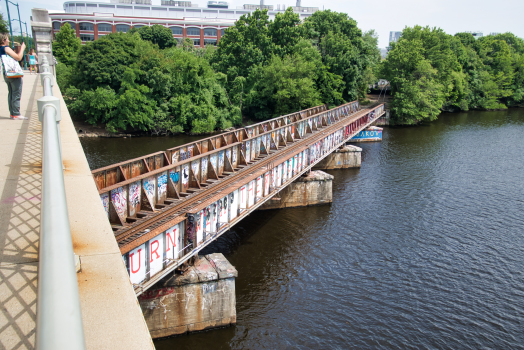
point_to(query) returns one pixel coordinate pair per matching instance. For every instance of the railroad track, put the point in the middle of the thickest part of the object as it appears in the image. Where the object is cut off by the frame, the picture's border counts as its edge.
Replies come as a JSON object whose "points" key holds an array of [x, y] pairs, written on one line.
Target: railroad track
{"points": [[178, 207]]}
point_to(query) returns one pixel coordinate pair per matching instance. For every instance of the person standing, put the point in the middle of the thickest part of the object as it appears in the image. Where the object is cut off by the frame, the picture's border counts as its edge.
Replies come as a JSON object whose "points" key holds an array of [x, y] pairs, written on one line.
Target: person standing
{"points": [[32, 61], [14, 85]]}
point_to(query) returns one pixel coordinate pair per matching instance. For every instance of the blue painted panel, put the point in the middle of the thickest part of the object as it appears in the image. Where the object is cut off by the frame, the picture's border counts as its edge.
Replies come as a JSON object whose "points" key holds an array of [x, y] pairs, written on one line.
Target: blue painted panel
{"points": [[368, 134]]}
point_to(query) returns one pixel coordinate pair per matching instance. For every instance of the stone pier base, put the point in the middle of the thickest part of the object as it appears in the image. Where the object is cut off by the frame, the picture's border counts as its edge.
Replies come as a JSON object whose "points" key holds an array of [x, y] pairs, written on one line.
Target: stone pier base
{"points": [[347, 157], [202, 298], [313, 189]]}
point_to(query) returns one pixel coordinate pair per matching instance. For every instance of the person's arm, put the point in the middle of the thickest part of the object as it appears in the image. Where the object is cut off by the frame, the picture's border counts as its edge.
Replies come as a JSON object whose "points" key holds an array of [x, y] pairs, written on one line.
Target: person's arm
{"points": [[16, 56]]}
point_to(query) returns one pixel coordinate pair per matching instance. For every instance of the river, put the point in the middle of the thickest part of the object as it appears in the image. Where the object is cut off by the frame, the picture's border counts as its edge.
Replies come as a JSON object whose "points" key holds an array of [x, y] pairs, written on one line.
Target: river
{"points": [[422, 248]]}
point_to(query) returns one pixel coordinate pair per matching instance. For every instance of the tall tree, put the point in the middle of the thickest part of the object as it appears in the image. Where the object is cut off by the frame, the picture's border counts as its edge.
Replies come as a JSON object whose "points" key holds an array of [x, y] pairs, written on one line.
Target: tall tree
{"points": [[341, 46], [283, 86], [418, 95], [244, 46], [158, 34], [4, 26], [66, 45]]}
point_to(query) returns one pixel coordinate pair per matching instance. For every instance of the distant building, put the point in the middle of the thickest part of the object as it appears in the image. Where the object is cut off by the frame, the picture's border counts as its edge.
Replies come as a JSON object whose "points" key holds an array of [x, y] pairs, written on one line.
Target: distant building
{"points": [[476, 34], [383, 53], [203, 25], [394, 36], [494, 33]]}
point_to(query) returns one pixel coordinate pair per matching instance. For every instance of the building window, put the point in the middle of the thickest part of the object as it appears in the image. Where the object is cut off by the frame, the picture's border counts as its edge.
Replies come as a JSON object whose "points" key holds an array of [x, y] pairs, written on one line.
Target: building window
{"points": [[177, 30], [210, 32], [86, 26], [222, 31], [196, 42], [104, 27], [210, 42], [122, 28], [138, 26], [193, 31], [87, 37], [72, 24], [56, 25]]}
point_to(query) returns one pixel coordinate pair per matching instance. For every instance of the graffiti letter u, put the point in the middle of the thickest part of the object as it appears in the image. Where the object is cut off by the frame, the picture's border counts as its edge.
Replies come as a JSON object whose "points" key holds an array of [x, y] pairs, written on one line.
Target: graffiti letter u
{"points": [[131, 261]]}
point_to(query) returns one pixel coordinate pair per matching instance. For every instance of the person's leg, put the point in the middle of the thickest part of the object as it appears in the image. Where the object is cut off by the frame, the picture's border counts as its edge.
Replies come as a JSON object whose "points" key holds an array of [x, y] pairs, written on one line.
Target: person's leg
{"points": [[16, 94], [9, 95]]}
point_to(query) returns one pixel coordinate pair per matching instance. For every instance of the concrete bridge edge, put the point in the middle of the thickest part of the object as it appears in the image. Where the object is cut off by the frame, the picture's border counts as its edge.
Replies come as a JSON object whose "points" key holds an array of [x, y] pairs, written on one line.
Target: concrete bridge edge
{"points": [[111, 315]]}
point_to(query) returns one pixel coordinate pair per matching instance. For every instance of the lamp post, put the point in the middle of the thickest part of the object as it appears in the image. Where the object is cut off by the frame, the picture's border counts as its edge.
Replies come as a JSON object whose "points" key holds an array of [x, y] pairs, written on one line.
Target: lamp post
{"points": [[22, 38], [27, 36], [9, 19], [21, 32]]}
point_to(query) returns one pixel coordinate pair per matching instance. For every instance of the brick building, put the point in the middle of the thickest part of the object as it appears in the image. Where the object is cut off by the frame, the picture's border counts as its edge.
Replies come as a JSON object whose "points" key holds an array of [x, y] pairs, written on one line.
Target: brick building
{"points": [[203, 25]]}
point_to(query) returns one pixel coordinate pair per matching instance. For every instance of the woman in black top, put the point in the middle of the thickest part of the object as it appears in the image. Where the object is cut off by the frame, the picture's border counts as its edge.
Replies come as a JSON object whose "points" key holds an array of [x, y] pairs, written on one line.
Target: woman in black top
{"points": [[14, 85]]}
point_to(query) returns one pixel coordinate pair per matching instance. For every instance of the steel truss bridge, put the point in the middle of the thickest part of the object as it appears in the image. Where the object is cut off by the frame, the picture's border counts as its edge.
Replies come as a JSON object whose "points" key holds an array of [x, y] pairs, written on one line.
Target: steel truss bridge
{"points": [[166, 206]]}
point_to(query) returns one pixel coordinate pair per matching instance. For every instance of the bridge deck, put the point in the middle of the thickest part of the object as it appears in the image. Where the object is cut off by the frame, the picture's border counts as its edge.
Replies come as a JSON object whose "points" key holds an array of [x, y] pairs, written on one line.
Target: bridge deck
{"points": [[111, 316]]}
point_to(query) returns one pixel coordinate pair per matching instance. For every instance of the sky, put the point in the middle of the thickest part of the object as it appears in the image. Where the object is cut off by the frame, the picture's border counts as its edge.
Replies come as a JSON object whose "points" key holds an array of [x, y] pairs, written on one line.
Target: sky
{"points": [[381, 15]]}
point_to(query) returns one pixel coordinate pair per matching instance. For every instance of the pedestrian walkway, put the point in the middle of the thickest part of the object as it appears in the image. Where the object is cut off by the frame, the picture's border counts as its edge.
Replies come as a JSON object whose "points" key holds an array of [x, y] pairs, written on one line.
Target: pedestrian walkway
{"points": [[111, 316], [20, 182]]}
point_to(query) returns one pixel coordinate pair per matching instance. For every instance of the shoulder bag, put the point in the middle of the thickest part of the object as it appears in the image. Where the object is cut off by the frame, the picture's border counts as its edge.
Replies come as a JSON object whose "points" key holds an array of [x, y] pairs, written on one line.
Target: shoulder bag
{"points": [[12, 68]]}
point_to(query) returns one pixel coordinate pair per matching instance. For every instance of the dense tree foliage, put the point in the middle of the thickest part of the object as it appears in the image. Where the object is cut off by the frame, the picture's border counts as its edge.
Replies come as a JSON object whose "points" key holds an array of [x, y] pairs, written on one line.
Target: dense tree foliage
{"points": [[126, 83], [66, 45], [4, 26], [157, 34], [141, 80], [430, 71]]}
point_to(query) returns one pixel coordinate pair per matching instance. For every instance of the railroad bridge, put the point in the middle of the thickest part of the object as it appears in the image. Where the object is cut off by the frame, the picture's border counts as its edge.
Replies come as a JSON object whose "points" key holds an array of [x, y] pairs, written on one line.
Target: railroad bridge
{"points": [[166, 206]]}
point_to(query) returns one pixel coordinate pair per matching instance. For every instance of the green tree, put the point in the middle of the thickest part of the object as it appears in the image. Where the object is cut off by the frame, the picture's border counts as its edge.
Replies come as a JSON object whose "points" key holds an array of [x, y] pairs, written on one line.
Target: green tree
{"points": [[103, 62], [418, 95], [370, 46], [283, 86], [158, 34], [285, 32], [342, 48], [4, 26], [244, 46], [129, 84], [66, 45]]}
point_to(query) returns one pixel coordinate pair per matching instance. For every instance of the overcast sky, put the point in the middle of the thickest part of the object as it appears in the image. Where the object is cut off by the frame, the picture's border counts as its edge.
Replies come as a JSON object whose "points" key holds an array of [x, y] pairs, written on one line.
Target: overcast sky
{"points": [[384, 16]]}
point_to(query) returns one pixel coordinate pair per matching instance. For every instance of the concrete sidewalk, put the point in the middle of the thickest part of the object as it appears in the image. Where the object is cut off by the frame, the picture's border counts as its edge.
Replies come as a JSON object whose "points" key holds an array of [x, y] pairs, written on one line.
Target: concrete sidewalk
{"points": [[111, 316]]}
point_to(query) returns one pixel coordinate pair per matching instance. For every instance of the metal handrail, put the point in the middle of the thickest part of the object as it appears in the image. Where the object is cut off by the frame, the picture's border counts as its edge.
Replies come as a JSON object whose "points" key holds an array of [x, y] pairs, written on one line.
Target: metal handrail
{"points": [[58, 316]]}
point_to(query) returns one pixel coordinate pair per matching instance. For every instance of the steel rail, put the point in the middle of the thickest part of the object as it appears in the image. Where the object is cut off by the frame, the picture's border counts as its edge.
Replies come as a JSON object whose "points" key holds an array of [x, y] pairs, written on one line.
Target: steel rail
{"points": [[177, 209], [58, 316]]}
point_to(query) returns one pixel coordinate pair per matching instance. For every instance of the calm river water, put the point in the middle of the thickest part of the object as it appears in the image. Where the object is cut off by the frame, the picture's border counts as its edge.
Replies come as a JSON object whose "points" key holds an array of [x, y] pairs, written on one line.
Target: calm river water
{"points": [[422, 248]]}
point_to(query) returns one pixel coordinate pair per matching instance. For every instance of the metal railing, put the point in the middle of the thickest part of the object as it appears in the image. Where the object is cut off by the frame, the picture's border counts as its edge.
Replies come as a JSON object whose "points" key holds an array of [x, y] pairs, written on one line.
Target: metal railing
{"points": [[58, 316]]}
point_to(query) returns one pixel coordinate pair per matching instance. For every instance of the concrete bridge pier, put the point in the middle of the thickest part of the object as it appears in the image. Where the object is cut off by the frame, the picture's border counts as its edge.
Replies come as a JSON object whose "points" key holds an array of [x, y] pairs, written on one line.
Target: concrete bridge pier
{"points": [[203, 297], [345, 157], [313, 189]]}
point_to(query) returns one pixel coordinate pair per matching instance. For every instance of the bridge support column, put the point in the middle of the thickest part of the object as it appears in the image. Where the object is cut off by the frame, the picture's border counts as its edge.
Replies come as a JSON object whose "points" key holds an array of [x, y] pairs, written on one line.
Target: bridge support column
{"points": [[314, 189], [201, 298], [348, 156], [42, 29]]}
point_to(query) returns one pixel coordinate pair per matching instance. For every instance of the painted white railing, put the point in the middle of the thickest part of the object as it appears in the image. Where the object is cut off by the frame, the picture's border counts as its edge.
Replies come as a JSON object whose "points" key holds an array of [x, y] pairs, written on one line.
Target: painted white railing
{"points": [[58, 315]]}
